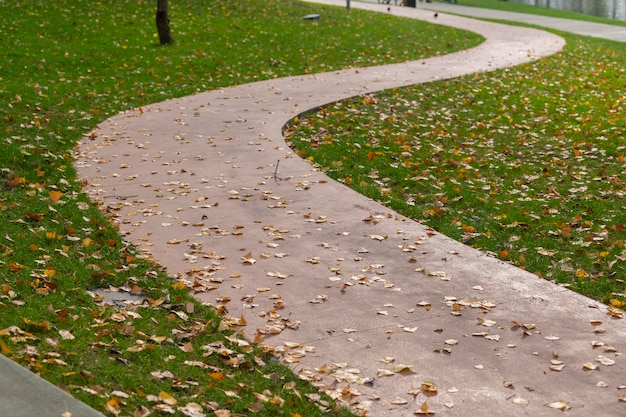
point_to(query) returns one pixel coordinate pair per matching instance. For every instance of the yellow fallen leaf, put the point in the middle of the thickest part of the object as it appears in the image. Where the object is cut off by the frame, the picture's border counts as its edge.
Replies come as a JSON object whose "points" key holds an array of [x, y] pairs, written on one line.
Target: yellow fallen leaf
{"points": [[179, 285], [166, 398], [617, 303]]}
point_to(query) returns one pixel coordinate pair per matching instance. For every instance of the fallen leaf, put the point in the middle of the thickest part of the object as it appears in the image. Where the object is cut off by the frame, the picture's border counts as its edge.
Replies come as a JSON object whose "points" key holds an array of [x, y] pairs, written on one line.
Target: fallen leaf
{"points": [[192, 410], [605, 361], [519, 401], [403, 369], [248, 259], [557, 367], [66, 335], [424, 411], [55, 196], [114, 405], [429, 388], [42, 324], [559, 405], [166, 398]]}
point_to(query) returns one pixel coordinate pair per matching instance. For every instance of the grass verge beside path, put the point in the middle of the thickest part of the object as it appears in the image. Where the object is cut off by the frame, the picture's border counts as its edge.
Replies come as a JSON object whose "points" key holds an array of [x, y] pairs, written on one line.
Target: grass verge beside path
{"points": [[527, 163], [67, 65], [537, 10]]}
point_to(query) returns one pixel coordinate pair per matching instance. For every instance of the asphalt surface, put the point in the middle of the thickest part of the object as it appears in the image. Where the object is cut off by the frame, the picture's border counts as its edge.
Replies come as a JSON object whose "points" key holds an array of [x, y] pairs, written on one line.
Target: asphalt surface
{"points": [[372, 307]]}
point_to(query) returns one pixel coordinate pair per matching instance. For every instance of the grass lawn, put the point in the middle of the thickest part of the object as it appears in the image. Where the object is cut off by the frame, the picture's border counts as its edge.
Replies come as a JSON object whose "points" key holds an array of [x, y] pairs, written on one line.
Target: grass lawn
{"points": [[526, 163], [510, 6], [65, 66]]}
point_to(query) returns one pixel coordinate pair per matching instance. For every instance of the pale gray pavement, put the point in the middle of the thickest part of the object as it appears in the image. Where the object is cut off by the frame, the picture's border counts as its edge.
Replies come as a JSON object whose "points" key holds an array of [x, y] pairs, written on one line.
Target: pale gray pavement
{"points": [[344, 288]]}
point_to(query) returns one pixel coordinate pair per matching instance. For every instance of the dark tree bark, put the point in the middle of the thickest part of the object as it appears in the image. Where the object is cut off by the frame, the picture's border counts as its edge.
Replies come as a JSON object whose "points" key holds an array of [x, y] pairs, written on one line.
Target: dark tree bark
{"points": [[163, 23]]}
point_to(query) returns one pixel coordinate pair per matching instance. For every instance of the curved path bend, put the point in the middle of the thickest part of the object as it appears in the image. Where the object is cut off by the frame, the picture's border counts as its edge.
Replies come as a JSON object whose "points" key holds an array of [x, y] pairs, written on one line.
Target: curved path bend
{"points": [[343, 288]]}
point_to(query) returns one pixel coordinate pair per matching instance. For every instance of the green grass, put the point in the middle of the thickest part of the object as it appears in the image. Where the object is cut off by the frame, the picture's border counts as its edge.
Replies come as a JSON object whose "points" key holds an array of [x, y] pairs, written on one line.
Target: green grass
{"points": [[69, 64], [526, 163], [510, 6]]}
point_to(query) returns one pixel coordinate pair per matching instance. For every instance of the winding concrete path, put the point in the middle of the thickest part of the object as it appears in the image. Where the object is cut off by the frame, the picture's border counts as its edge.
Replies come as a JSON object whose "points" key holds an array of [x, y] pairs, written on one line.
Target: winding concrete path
{"points": [[372, 307]]}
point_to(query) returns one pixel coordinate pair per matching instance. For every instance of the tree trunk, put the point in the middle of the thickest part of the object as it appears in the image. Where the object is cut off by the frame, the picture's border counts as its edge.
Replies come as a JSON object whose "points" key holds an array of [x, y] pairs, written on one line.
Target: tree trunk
{"points": [[163, 23]]}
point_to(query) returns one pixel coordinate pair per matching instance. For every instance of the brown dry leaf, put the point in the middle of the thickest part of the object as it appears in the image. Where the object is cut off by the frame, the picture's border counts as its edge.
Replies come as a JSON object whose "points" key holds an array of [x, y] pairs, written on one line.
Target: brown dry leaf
{"points": [[559, 405], [486, 323], [187, 347], [605, 361], [192, 410], [222, 413], [519, 401], [66, 335], [403, 369], [248, 259], [424, 304], [398, 401], [429, 388], [276, 274], [588, 366], [558, 367], [616, 313]]}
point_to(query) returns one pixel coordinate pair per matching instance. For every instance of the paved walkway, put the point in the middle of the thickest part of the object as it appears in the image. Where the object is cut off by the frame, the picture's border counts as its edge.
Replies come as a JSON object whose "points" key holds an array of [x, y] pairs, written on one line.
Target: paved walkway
{"points": [[369, 305]]}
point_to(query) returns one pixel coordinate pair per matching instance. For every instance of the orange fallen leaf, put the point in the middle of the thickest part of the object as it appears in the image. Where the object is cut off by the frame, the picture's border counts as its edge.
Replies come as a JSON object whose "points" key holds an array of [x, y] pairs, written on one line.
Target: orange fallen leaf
{"points": [[42, 324], [113, 405], [15, 267], [55, 196], [4, 348], [218, 376], [424, 411]]}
